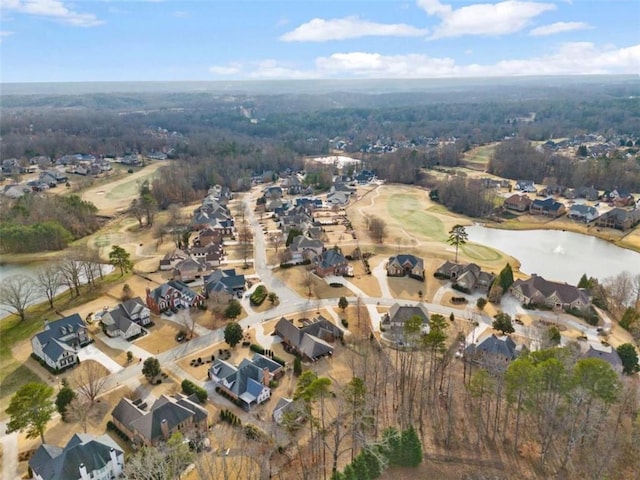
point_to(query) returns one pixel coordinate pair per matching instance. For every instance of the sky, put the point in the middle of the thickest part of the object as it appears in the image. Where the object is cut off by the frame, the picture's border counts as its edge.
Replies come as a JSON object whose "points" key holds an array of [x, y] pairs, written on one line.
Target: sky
{"points": [[185, 40]]}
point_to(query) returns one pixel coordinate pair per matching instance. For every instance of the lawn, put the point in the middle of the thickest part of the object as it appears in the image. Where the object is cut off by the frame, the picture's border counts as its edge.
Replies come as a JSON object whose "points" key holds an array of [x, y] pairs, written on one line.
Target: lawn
{"points": [[161, 337], [409, 211], [478, 158]]}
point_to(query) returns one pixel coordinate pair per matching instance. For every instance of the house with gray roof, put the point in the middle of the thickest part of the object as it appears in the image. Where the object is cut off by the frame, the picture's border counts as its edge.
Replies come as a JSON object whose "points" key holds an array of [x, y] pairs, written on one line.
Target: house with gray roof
{"points": [[167, 415], [83, 457], [493, 353], [548, 207], [225, 281], [538, 291], [619, 218], [303, 248], [332, 262], [312, 340], [393, 322], [466, 277], [127, 319], [519, 203], [60, 341], [583, 213], [606, 353], [405, 264], [248, 383], [286, 408], [190, 269]]}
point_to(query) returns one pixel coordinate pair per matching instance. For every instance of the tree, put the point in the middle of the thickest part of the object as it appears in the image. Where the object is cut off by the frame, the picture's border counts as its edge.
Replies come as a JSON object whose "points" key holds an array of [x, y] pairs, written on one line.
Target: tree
{"points": [[89, 381], [457, 236], [307, 281], [48, 281], [233, 309], [506, 277], [411, 448], [503, 323], [64, 398], [127, 293], [245, 239], [165, 461], [343, 303], [151, 368], [273, 297], [629, 317], [276, 240], [30, 409], [377, 227], [554, 335], [481, 303], [297, 366], [149, 206], [629, 357], [129, 356], [232, 334], [137, 211], [16, 292], [293, 233], [120, 258], [495, 292]]}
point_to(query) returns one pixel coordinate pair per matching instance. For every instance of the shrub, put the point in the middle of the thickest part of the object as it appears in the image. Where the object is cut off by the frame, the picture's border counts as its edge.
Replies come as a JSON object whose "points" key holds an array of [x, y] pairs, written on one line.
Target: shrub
{"points": [[336, 284], [460, 288], [278, 360], [345, 323], [259, 295], [481, 303], [188, 387], [256, 348]]}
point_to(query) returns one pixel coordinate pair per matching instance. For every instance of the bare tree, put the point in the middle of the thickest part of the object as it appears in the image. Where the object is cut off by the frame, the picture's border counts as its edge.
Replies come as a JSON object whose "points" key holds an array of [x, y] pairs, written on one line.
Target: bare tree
{"points": [[245, 237], [48, 282], [16, 292], [79, 411], [276, 240], [377, 227], [71, 270], [89, 381], [307, 281], [621, 291]]}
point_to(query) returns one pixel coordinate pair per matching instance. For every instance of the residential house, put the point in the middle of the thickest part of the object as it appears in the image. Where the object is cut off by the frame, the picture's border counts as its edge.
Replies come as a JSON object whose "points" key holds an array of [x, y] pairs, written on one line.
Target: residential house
{"points": [[190, 269], [171, 259], [337, 198], [215, 221], [127, 319], [60, 341], [519, 203], [588, 193], [10, 165], [225, 281], [526, 186], [393, 323], [207, 236], [170, 295], [273, 192], [365, 177], [249, 382], [406, 264], [342, 187], [548, 207], [286, 407], [583, 213], [538, 291], [304, 248], [15, 191], [83, 457], [552, 189], [619, 198], [332, 262], [312, 340], [606, 353], [493, 353], [308, 203], [210, 255], [468, 277], [619, 218], [53, 176], [166, 416]]}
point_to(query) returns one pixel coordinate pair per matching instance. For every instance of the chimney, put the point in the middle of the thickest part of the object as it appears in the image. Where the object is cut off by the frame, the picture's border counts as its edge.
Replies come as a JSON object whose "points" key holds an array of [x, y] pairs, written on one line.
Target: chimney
{"points": [[83, 472], [164, 426], [266, 375]]}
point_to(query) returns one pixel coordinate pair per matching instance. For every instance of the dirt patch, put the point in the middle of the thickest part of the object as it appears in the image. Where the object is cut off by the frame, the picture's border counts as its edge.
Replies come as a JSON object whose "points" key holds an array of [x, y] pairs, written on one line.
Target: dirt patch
{"points": [[161, 337], [406, 288]]}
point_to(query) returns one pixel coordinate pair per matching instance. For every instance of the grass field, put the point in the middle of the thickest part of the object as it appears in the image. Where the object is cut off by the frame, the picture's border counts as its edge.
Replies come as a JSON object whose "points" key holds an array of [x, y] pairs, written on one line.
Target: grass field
{"points": [[409, 211], [478, 158]]}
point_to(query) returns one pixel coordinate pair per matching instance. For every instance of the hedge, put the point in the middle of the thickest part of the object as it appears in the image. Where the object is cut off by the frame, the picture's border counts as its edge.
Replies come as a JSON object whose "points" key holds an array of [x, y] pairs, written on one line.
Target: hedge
{"points": [[256, 348], [188, 387], [258, 296]]}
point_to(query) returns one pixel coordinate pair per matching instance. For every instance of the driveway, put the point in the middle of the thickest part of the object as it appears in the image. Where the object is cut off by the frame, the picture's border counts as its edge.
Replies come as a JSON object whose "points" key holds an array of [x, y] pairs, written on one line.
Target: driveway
{"points": [[91, 352], [9, 442], [380, 272]]}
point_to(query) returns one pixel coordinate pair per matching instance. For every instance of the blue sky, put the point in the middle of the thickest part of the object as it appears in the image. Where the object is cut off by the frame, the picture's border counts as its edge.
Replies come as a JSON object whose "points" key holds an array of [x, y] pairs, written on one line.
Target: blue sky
{"points": [[110, 40]]}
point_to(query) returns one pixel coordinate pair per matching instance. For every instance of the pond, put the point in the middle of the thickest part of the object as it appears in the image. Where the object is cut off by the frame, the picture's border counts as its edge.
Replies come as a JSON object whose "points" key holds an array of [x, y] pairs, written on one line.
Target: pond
{"points": [[558, 255]]}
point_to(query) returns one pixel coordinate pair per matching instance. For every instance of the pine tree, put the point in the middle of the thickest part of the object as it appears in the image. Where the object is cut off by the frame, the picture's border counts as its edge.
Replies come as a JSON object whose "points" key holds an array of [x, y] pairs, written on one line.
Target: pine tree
{"points": [[506, 277], [393, 447], [411, 448], [373, 463]]}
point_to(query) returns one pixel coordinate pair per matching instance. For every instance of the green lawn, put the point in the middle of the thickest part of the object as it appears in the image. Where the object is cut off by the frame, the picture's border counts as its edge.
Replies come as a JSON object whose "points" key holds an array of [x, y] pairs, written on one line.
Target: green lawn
{"points": [[409, 211], [480, 156], [130, 188], [481, 253]]}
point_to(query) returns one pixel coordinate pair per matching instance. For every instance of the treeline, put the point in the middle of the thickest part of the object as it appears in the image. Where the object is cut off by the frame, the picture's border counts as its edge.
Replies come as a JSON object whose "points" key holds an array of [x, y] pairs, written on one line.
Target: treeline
{"points": [[518, 159], [467, 196], [36, 223]]}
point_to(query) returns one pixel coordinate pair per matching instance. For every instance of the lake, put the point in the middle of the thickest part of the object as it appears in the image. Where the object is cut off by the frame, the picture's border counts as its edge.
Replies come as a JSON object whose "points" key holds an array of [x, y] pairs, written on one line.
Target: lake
{"points": [[558, 255]]}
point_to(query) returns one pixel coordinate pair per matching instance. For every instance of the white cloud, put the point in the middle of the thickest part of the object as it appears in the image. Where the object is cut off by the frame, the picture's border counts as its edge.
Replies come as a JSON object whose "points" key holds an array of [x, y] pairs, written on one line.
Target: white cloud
{"points": [[272, 69], [54, 9], [230, 69], [489, 19], [4, 34], [321, 30], [559, 27], [569, 59]]}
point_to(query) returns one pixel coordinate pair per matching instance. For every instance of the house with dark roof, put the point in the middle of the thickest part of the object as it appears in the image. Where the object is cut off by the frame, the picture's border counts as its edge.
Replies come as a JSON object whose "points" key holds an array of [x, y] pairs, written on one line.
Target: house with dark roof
{"points": [[127, 319], [583, 213], [405, 264], [225, 281], [393, 322], [207, 235], [519, 203], [468, 277], [606, 353], [538, 291], [304, 248], [171, 259], [83, 457], [248, 383], [53, 177], [170, 295], [166, 416], [332, 262], [60, 341], [210, 254], [493, 353], [312, 340], [548, 207], [619, 219], [288, 408]]}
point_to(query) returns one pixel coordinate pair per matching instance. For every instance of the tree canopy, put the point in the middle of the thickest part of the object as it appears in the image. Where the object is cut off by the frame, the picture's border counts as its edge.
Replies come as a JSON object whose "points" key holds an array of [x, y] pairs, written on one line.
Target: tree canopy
{"points": [[30, 409], [232, 334]]}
